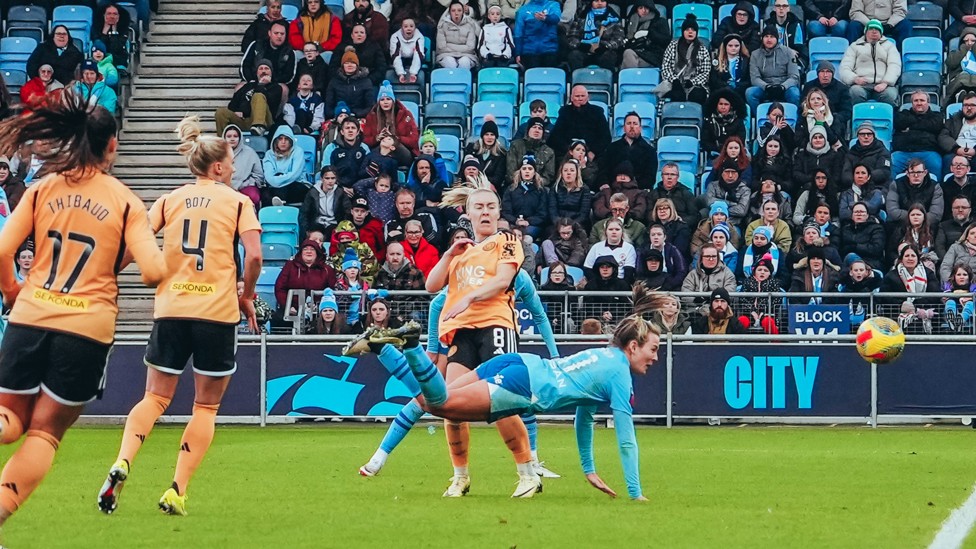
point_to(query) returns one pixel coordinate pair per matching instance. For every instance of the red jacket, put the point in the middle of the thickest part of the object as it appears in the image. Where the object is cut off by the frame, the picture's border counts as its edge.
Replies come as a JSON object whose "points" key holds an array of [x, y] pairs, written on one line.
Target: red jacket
{"points": [[371, 234], [406, 128], [33, 93], [425, 258], [328, 39], [295, 275]]}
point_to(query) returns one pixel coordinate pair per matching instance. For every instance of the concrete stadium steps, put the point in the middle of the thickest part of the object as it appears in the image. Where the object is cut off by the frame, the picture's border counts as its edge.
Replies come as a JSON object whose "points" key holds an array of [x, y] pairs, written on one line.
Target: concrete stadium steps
{"points": [[188, 65]]}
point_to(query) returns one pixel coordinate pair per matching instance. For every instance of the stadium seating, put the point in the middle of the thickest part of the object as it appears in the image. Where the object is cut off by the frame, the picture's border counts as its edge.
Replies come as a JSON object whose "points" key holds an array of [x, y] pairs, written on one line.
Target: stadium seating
{"points": [[78, 20], [450, 85], [447, 118], [681, 118], [547, 84], [498, 84], [525, 113], [266, 285], [637, 85], [338, 8], [503, 112], [952, 109], [881, 115], [827, 48], [449, 147], [279, 225], [644, 109], [702, 11], [790, 113], [725, 10], [414, 109], [682, 150], [14, 80], [597, 81], [276, 255], [309, 146], [257, 142], [14, 52], [921, 54], [928, 81], [26, 21], [926, 18]]}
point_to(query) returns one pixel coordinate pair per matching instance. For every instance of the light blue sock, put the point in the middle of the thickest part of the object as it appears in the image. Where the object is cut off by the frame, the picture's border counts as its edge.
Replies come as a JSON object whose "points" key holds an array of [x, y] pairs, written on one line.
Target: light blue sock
{"points": [[432, 383], [395, 363], [532, 426], [402, 423]]}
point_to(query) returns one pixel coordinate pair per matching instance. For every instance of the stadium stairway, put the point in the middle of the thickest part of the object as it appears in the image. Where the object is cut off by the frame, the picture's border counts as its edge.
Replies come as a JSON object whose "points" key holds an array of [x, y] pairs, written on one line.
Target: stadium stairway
{"points": [[188, 65]]}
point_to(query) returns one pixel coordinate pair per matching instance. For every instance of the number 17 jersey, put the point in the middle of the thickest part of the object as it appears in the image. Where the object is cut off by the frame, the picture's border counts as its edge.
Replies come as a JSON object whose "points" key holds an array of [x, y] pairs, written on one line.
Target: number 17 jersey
{"points": [[201, 225]]}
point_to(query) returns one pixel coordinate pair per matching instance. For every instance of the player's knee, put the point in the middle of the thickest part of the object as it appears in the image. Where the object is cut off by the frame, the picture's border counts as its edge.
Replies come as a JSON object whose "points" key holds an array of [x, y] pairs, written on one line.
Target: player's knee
{"points": [[11, 426]]}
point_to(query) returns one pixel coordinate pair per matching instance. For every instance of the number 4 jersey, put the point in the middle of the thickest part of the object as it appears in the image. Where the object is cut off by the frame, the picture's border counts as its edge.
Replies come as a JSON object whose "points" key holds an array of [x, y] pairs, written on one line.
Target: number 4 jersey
{"points": [[81, 232], [201, 225]]}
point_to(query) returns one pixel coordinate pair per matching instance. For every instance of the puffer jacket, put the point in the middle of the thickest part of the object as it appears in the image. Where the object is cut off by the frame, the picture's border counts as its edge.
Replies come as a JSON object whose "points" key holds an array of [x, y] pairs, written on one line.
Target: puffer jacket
{"points": [[355, 89], [533, 204], [574, 205], [876, 156], [545, 158], [878, 62], [864, 239], [774, 67], [457, 40], [655, 36], [406, 130], [749, 32], [700, 281], [534, 37], [325, 30], [917, 132], [889, 12]]}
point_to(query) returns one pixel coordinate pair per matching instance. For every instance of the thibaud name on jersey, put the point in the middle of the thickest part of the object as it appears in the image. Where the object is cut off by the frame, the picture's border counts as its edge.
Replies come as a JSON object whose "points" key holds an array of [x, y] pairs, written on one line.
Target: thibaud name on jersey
{"points": [[77, 201]]}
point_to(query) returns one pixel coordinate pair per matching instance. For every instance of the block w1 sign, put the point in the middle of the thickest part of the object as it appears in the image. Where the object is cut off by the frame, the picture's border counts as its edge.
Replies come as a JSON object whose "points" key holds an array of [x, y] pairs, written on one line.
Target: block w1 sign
{"points": [[820, 319]]}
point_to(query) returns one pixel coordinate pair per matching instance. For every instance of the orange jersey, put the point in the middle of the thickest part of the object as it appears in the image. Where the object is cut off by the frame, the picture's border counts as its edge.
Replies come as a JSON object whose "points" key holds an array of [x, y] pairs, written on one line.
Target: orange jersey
{"points": [[470, 271], [201, 226], [81, 232]]}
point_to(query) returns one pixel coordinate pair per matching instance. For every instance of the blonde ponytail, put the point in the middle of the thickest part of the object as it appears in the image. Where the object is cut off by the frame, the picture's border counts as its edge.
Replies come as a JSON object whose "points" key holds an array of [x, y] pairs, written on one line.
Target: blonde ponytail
{"points": [[201, 151]]}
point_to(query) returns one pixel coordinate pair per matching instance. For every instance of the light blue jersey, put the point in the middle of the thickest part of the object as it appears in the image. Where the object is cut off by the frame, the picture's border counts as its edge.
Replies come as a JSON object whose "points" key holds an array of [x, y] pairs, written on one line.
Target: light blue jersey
{"points": [[524, 293]]}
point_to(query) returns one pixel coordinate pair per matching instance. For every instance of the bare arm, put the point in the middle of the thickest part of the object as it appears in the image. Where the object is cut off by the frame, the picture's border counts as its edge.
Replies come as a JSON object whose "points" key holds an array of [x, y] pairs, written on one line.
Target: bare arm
{"points": [[438, 276], [252, 269]]}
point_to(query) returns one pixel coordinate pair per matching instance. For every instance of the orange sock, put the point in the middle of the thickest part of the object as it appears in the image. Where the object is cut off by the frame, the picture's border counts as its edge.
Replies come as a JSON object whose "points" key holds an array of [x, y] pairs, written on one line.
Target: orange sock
{"points": [[516, 437], [196, 441], [140, 423], [458, 437], [10, 425], [26, 469]]}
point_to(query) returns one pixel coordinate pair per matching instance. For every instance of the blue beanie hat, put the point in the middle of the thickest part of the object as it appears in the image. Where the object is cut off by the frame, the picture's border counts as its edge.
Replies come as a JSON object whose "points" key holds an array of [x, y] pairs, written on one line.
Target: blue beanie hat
{"points": [[328, 301], [351, 259], [721, 228], [765, 231], [719, 206], [342, 107], [386, 90]]}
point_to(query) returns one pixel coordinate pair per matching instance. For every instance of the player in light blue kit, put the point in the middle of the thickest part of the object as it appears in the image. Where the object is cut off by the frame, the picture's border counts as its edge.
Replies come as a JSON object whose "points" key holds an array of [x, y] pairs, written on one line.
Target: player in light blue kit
{"points": [[394, 362], [515, 383]]}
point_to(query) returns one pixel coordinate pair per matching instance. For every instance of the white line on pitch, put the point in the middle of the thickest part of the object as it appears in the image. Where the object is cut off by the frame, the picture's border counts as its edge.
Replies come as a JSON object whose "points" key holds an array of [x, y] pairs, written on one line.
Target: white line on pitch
{"points": [[957, 526]]}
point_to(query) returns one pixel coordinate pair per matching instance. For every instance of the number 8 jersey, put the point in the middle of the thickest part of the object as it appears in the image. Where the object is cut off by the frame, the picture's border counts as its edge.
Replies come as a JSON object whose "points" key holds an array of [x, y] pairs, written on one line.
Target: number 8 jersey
{"points": [[201, 226]]}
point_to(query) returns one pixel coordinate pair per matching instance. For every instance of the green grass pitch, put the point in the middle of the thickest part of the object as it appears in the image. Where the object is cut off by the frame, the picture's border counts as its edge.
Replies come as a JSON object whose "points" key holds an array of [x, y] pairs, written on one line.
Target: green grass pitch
{"points": [[289, 487]]}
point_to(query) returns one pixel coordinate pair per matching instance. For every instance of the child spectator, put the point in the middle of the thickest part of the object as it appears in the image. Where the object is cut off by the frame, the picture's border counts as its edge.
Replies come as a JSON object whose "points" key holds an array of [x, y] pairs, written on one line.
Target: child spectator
{"points": [[329, 321], [380, 194], [762, 244], [727, 253], [960, 285], [755, 310], [352, 305], [537, 109], [305, 111], [495, 45], [407, 51], [380, 160], [313, 65]]}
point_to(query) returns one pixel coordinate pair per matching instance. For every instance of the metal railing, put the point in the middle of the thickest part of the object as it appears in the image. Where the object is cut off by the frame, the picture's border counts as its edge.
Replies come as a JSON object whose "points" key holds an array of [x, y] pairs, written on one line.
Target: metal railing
{"points": [[567, 309]]}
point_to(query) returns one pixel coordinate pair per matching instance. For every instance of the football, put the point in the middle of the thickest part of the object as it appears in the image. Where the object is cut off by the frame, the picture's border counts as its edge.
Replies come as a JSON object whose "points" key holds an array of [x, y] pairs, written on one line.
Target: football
{"points": [[880, 340]]}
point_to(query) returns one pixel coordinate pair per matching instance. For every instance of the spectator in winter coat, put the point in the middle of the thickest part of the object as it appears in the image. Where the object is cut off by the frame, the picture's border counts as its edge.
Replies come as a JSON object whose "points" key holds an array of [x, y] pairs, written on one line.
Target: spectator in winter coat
{"points": [[457, 39], [545, 157], [315, 23], [731, 68], [351, 85], [634, 148], [838, 93], [324, 205], [864, 236], [306, 271], [496, 47], [635, 231], [718, 214], [959, 135], [259, 28], [490, 154], [10, 185], [254, 103], [284, 170], [771, 218], [815, 273], [376, 23], [915, 187], [346, 154], [962, 251], [719, 318], [816, 111], [379, 193], [731, 189], [37, 90], [872, 66], [604, 278], [827, 17], [773, 71], [370, 54], [595, 37], [893, 16], [623, 182], [535, 34], [106, 64], [647, 34], [110, 27], [773, 162], [870, 151], [248, 174], [527, 204], [950, 230], [678, 232], [93, 90], [917, 135], [393, 118], [426, 182], [418, 249], [725, 115], [59, 52], [709, 275], [790, 29], [567, 244], [616, 246], [817, 154], [406, 202], [407, 51], [958, 182], [686, 67], [398, 274], [313, 65], [571, 199], [305, 111], [674, 260], [960, 67], [580, 120], [274, 48], [685, 202], [863, 190], [369, 230], [742, 23]]}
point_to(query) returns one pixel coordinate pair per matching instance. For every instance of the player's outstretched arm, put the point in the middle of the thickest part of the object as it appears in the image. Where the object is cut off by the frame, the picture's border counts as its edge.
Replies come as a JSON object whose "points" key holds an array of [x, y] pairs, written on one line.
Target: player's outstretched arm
{"points": [[18, 227], [492, 287], [584, 442], [627, 443], [525, 289], [252, 269]]}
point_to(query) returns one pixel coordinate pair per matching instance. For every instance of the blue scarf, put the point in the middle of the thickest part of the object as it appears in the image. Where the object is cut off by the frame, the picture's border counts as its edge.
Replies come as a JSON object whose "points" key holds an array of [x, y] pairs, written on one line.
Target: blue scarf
{"points": [[595, 19]]}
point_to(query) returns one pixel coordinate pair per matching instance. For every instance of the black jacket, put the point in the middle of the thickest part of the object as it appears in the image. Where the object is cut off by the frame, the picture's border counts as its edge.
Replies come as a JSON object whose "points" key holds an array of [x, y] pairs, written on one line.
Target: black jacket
{"points": [[587, 122], [815, 9], [650, 47], [951, 189], [875, 156], [64, 65], [356, 90], [257, 30], [241, 101], [370, 57], [749, 32], [574, 205], [685, 201], [282, 61], [319, 72], [533, 204], [640, 153], [866, 240], [839, 96], [805, 164], [917, 132], [723, 79]]}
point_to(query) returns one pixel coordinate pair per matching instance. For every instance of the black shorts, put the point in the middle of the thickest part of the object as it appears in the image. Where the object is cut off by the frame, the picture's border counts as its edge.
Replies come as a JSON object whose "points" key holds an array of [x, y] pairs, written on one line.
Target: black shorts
{"points": [[472, 347], [211, 345], [68, 368]]}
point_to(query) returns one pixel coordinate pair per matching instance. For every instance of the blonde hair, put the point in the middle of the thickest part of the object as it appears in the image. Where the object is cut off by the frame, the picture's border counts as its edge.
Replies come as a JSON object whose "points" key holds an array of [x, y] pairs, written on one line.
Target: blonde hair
{"points": [[670, 204], [459, 195], [201, 151], [635, 327]]}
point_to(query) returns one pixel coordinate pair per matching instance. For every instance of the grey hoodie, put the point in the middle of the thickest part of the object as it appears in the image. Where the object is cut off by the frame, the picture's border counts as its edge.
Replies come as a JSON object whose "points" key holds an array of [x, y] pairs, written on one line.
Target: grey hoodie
{"points": [[247, 164], [774, 67]]}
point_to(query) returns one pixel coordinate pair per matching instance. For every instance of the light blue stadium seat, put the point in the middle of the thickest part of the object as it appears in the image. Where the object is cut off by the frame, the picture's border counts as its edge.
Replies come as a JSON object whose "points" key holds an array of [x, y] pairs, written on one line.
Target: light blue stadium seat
{"points": [[289, 12], [790, 112], [702, 11], [921, 53], [266, 285], [450, 85], [14, 52], [928, 81], [498, 84], [276, 255], [681, 118], [279, 224], [449, 148], [547, 84], [602, 105], [78, 20], [827, 48], [309, 147], [257, 142], [682, 150], [725, 10], [952, 109], [926, 18], [637, 85], [447, 117], [27, 21], [879, 114], [14, 80], [644, 109], [598, 81], [504, 113], [338, 8], [414, 109]]}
